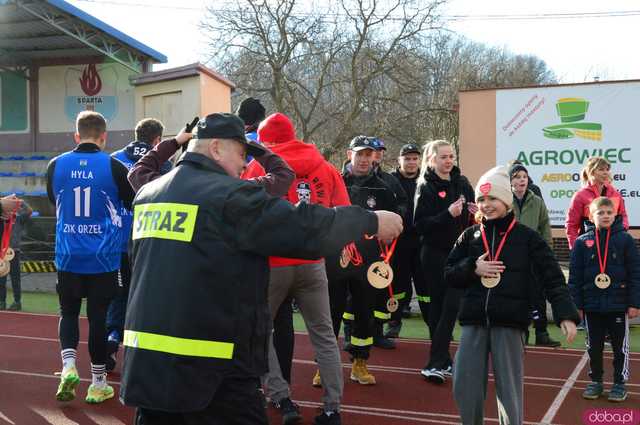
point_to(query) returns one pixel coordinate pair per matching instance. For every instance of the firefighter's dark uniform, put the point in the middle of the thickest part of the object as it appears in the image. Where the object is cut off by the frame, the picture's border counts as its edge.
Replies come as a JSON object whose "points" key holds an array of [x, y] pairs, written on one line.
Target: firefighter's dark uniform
{"points": [[367, 303], [197, 320]]}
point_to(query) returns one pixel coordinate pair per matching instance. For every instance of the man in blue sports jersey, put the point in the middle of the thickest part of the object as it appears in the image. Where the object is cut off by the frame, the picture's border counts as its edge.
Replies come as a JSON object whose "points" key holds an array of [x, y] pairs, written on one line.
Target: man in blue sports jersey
{"points": [[148, 134], [87, 187]]}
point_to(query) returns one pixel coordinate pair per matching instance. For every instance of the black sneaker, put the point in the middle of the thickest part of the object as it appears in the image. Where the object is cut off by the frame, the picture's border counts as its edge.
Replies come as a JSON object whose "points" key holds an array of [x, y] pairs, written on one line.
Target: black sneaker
{"points": [[3, 305], [447, 371], [289, 411], [333, 418], [393, 329], [385, 343], [17, 306], [544, 340], [434, 375]]}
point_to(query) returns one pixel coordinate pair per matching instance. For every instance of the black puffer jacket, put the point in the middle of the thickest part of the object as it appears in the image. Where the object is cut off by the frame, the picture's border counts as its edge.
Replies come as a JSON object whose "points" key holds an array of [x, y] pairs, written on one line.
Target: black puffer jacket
{"points": [[436, 227], [507, 305]]}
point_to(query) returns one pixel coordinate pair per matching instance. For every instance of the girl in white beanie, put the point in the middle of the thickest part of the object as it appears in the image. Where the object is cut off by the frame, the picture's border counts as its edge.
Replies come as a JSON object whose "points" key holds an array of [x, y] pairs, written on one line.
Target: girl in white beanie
{"points": [[492, 262]]}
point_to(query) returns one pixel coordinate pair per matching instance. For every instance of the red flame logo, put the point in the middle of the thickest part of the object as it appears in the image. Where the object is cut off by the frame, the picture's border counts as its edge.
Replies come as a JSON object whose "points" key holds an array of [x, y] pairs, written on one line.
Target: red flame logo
{"points": [[90, 82]]}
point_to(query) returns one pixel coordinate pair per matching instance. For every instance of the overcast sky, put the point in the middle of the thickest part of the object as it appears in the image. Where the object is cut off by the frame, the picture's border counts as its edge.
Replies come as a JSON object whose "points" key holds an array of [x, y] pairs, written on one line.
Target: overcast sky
{"points": [[597, 39]]}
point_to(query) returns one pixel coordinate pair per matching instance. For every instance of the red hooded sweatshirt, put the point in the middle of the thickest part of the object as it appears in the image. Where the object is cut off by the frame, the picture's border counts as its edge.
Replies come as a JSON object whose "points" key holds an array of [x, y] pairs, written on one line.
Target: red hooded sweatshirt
{"points": [[316, 181]]}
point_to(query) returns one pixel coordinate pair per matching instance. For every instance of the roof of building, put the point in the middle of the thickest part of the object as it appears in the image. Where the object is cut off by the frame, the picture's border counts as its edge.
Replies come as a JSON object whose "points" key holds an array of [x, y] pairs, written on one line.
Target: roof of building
{"points": [[35, 31], [190, 70]]}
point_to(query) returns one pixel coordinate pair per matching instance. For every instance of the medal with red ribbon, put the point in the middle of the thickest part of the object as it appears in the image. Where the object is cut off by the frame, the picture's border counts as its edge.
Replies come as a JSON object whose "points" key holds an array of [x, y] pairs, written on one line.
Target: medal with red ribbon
{"points": [[6, 253], [602, 280], [493, 281], [380, 273]]}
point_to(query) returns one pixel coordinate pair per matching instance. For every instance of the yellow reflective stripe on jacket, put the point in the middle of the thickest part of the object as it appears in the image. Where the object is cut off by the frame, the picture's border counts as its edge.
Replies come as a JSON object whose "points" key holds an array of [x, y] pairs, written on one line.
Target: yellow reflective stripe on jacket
{"points": [[164, 221], [400, 296], [359, 342], [180, 346], [348, 316], [381, 315], [423, 299]]}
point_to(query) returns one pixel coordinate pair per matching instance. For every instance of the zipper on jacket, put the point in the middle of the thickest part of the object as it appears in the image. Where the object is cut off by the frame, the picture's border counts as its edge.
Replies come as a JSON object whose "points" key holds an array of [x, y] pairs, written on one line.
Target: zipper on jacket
{"points": [[486, 302]]}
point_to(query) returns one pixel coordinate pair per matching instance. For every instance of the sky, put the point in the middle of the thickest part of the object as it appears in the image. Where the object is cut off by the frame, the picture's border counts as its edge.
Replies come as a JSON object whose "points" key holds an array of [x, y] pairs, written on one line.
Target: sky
{"points": [[594, 39]]}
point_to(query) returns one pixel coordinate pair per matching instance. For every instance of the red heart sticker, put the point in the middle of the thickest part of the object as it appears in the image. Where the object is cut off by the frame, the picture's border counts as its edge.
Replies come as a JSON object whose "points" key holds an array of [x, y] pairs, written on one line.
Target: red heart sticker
{"points": [[485, 188], [589, 243], [442, 194]]}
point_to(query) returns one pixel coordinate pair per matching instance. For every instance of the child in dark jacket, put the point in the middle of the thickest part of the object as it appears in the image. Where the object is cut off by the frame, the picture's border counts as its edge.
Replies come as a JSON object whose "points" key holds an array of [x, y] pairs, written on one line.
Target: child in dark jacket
{"points": [[604, 281], [493, 262]]}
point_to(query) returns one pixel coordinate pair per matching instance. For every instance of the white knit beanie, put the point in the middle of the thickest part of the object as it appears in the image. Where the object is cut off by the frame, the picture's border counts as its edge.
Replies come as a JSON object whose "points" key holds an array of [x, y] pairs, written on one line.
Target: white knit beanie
{"points": [[496, 183]]}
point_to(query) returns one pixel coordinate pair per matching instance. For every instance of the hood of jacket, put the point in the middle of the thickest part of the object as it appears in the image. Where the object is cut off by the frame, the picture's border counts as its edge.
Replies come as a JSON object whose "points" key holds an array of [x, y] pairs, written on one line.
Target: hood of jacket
{"points": [[431, 176], [276, 128]]}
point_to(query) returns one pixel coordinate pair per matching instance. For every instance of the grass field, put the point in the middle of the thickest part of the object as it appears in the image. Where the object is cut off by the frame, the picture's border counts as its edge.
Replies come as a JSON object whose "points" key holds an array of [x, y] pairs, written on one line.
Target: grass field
{"points": [[38, 302]]}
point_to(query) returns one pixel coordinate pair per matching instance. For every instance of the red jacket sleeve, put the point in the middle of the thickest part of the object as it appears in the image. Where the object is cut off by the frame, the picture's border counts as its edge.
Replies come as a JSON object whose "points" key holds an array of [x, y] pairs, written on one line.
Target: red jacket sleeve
{"points": [[574, 218]]}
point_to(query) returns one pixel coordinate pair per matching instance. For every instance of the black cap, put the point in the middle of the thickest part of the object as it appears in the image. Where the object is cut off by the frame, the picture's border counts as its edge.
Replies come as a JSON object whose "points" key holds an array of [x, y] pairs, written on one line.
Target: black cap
{"points": [[361, 142], [251, 111], [515, 168], [226, 126], [409, 148]]}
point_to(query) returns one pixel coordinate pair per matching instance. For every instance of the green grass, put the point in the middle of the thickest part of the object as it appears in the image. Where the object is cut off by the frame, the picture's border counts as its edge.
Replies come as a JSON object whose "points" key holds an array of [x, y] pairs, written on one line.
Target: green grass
{"points": [[39, 302]]}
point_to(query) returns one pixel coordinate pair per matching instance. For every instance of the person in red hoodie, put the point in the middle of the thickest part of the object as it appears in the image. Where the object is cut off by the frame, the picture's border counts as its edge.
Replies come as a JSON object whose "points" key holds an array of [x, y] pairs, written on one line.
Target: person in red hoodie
{"points": [[316, 182], [596, 182]]}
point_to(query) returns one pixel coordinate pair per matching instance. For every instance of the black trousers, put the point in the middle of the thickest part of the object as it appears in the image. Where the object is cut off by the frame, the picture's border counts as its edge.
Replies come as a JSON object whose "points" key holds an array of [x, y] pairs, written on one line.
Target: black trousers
{"points": [[237, 402], [362, 305], [14, 273], [284, 338], [598, 325], [99, 289], [443, 313], [407, 269]]}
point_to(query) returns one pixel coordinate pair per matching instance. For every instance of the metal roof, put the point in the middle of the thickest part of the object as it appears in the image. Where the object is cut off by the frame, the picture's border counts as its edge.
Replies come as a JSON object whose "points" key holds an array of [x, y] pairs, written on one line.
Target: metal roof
{"points": [[34, 31]]}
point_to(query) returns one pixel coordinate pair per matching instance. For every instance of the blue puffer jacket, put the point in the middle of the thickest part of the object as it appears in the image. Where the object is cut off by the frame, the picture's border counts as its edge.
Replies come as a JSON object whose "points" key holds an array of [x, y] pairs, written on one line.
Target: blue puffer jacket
{"points": [[623, 267]]}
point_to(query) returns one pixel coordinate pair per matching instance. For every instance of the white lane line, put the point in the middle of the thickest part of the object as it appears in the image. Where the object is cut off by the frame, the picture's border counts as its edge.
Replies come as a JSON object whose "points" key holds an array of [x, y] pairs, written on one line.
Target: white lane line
{"points": [[52, 416], [102, 419], [44, 375], [4, 417], [557, 403], [395, 413]]}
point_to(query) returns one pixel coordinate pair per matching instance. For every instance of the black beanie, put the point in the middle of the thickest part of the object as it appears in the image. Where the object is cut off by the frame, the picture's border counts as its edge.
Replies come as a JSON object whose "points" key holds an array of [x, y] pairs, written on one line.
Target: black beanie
{"points": [[251, 111], [515, 168]]}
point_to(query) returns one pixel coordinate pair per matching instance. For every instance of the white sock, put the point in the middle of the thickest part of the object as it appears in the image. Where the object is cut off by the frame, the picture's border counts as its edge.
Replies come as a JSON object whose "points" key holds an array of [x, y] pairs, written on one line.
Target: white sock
{"points": [[98, 375], [68, 358]]}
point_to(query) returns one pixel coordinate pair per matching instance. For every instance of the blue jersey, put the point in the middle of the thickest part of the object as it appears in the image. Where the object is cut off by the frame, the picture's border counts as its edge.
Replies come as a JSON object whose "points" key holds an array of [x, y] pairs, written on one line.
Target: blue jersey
{"points": [[129, 155], [88, 228]]}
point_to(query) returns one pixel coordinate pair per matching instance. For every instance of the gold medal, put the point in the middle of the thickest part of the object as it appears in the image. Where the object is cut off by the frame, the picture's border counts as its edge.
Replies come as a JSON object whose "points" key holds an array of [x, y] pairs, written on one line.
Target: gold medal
{"points": [[380, 274], [602, 281], [345, 258], [9, 254], [4, 268], [392, 305], [490, 282]]}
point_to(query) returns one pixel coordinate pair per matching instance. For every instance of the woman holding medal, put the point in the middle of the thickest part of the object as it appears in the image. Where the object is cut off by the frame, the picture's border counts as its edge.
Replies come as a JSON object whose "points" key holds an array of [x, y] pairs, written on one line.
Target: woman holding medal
{"points": [[604, 281], [492, 262], [441, 214], [596, 181]]}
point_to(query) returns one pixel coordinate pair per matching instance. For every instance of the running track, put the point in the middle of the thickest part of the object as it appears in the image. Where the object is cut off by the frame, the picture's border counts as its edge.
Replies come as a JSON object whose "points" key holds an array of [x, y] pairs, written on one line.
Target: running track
{"points": [[554, 379]]}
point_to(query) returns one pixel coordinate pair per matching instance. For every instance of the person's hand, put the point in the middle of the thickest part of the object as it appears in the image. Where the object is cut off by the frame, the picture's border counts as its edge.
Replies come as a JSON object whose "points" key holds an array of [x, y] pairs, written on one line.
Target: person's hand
{"points": [[488, 268], [10, 205], [455, 209], [568, 330], [581, 314], [472, 207], [633, 312], [183, 137], [389, 225]]}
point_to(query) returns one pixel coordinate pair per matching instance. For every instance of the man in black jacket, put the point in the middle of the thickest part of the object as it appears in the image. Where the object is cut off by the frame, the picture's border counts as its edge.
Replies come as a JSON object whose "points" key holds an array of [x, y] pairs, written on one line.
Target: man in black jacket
{"points": [[406, 260], [198, 319]]}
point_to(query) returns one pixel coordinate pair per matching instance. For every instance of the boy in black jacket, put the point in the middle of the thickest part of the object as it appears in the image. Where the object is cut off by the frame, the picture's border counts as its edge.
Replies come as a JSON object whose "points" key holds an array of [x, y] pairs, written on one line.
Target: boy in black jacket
{"points": [[493, 262], [605, 285]]}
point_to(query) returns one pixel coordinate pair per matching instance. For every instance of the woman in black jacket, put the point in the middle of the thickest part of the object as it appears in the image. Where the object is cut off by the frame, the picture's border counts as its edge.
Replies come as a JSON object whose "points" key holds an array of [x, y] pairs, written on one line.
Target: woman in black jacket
{"points": [[494, 262], [441, 214]]}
